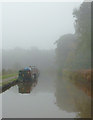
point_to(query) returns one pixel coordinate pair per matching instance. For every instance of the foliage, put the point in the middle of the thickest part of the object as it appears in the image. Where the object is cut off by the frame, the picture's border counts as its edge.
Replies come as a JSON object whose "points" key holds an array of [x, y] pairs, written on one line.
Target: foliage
{"points": [[9, 75], [83, 31], [74, 50], [65, 51]]}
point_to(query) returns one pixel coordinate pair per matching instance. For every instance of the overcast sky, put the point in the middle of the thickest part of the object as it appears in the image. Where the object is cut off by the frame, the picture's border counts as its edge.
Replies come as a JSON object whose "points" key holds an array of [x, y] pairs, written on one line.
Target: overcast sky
{"points": [[39, 25]]}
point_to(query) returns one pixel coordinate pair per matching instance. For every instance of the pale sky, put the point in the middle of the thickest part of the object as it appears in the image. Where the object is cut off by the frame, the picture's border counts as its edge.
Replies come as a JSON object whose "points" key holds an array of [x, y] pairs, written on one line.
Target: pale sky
{"points": [[39, 25]]}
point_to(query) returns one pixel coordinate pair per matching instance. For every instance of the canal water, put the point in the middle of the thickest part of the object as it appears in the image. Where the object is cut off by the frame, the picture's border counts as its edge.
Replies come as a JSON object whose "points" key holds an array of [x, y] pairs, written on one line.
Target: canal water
{"points": [[49, 97]]}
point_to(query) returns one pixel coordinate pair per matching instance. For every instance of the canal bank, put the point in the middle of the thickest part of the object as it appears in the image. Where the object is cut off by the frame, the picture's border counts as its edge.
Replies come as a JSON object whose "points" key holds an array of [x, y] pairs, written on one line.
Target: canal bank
{"points": [[7, 81]]}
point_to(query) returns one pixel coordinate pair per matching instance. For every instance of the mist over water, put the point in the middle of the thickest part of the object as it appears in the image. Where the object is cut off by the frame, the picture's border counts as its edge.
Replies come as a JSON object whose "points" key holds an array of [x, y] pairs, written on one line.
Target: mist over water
{"points": [[54, 37]]}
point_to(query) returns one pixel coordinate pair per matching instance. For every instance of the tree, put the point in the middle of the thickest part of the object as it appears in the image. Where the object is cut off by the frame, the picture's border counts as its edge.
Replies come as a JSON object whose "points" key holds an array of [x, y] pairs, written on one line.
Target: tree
{"points": [[74, 50], [83, 31]]}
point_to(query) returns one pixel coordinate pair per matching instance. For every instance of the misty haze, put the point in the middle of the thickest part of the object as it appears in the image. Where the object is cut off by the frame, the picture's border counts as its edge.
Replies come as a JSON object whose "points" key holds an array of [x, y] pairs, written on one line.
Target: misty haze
{"points": [[46, 60]]}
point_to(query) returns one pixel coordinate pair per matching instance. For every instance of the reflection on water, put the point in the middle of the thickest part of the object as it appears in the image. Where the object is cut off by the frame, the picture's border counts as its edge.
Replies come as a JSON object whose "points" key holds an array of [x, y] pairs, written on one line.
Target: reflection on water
{"points": [[26, 87], [51, 98], [71, 99]]}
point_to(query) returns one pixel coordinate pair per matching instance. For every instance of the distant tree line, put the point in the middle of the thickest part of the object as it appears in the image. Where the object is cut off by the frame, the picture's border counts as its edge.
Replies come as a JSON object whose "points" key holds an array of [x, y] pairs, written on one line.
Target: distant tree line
{"points": [[15, 59], [74, 50]]}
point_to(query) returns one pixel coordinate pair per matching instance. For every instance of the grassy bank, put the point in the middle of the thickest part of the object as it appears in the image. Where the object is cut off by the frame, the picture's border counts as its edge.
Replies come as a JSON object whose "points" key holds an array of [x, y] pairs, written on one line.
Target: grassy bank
{"points": [[8, 75], [8, 78], [7, 82]]}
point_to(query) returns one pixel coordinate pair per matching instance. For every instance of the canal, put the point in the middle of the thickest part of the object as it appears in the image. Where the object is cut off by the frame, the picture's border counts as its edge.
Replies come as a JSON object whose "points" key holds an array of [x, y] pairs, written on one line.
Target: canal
{"points": [[49, 97]]}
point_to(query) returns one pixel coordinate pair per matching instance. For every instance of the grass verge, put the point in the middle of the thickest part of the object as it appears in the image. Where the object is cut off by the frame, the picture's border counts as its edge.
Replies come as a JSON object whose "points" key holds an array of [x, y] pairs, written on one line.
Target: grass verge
{"points": [[8, 75], [4, 83]]}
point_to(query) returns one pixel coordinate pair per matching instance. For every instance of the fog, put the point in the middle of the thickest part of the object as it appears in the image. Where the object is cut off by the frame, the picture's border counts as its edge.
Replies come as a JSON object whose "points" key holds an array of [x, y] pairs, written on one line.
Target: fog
{"points": [[29, 31], [27, 25], [18, 58], [56, 38]]}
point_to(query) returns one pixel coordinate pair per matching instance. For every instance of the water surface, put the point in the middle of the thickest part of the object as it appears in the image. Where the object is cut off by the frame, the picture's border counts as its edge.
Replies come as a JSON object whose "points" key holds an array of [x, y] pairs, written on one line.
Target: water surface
{"points": [[50, 97]]}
